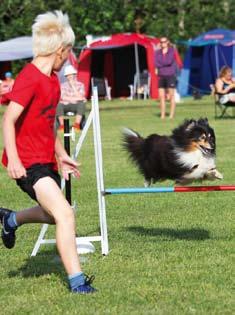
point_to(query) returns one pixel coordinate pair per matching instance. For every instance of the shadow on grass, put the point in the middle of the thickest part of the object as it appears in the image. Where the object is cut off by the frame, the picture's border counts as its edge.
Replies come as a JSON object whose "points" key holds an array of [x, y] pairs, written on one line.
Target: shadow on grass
{"points": [[225, 117], [45, 263], [183, 234], [158, 114]]}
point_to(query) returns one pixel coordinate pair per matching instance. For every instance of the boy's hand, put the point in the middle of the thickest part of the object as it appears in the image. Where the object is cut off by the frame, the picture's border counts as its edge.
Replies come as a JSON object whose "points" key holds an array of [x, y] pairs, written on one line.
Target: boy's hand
{"points": [[15, 169], [68, 166]]}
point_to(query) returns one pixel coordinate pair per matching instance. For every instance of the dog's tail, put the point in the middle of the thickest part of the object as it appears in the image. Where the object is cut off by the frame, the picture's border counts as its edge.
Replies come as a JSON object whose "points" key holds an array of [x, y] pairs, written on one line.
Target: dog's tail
{"points": [[134, 144]]}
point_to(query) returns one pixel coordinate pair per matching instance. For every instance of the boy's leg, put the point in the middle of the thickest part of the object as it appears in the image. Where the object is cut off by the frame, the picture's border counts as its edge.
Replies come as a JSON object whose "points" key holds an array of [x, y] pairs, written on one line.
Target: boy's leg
{"points": [[54, 203], [34, 215], [11, 220], [57, 210]]}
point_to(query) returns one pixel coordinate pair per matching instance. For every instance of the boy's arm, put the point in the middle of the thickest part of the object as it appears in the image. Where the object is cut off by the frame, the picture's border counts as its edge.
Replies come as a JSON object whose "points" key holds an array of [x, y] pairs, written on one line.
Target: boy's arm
{"points": [[67, 164], [14, 167]]}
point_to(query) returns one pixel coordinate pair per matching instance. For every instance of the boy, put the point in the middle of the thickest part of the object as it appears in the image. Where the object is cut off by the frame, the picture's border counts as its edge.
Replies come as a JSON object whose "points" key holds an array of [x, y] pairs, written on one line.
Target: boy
{"points": [[32, 149]]}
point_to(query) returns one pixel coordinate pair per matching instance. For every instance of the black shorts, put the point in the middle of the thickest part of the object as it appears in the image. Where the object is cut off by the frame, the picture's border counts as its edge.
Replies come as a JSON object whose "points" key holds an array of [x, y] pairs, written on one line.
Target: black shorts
{"points": [[34, 173], [167, 82]]}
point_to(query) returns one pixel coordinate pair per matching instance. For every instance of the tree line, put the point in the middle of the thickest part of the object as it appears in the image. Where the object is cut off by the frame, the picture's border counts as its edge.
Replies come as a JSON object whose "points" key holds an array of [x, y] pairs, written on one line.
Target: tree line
{"points": [[179, 20]]}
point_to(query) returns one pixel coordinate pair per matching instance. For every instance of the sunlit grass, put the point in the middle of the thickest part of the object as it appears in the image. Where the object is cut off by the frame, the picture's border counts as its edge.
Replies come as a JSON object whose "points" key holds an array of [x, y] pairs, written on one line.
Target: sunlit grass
{"points": [[169, 253]]}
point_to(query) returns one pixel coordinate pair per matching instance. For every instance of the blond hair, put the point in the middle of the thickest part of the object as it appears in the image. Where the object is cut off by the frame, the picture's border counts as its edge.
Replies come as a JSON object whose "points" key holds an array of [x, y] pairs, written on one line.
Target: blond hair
{"points": [[51, 30], [224, 70]]}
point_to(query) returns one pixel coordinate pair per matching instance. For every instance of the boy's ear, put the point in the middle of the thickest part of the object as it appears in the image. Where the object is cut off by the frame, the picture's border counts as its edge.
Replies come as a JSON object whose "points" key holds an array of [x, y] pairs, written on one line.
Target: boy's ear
{"points": [[59, 51]]}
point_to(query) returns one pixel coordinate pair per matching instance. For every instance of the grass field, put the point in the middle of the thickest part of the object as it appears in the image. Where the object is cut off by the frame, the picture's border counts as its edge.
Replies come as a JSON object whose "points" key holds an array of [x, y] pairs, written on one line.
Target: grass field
{"points": [[169, 253]]}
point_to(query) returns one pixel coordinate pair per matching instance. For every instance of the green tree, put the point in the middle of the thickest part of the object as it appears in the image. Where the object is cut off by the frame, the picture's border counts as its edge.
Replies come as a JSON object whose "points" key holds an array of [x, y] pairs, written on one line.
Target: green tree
{"points": [[182, 19]]}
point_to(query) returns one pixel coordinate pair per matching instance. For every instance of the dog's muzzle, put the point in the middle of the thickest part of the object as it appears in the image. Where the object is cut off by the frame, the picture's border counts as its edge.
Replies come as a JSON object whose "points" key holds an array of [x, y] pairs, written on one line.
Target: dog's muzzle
{"points": [[206, 151]]}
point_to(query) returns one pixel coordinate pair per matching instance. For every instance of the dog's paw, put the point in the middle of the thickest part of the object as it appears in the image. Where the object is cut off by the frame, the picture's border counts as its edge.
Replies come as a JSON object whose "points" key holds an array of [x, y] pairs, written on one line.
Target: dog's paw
{"points": [[147, 183], [219, 175], [213, 174]]}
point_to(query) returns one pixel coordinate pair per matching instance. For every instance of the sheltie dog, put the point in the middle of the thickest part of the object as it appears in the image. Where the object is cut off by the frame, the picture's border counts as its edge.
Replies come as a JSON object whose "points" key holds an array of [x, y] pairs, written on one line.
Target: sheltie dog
{"points": [[186, 155]]}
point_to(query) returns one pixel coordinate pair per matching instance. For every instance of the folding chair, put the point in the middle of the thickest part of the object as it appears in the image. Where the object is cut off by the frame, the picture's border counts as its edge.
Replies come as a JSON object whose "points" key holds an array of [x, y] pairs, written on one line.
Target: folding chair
{"points": [[104, 90], [221, 110], [142, 85]]}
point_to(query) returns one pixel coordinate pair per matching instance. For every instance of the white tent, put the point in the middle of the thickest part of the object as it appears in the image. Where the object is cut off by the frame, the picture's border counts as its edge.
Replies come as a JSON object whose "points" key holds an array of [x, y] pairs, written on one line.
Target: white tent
{"points": [[16, 48]]}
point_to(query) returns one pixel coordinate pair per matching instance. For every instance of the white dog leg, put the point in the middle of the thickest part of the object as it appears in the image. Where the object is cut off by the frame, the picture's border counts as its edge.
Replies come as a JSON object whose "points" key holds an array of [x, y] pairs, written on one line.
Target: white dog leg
{"points": [[147, 183], [213, 174]]}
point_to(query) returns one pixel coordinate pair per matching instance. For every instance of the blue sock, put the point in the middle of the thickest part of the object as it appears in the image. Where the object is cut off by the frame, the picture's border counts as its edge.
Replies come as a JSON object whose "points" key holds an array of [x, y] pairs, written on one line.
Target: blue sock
{"points": [[76, 279], [11, 221]]}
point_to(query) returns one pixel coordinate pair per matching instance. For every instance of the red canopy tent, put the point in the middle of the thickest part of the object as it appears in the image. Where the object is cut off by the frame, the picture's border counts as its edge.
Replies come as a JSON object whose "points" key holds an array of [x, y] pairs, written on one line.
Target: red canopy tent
{"points": [[119, 58]]}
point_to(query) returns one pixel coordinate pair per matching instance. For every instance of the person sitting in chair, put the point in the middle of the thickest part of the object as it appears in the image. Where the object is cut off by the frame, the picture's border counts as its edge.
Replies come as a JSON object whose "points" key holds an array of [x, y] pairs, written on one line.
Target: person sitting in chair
{"points": [[7, 84], [143, 84], [225, 86], [72, 99]]}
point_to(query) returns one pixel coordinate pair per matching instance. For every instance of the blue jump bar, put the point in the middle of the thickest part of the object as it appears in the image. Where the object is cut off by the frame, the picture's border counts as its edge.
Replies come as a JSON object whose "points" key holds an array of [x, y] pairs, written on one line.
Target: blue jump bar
{"points": [[119, 191]]}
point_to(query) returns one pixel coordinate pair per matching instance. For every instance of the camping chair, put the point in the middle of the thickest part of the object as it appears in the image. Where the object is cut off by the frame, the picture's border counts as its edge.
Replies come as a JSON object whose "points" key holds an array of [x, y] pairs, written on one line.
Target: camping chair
{"points": [[140, 87], [104, 90], [221, 110]]}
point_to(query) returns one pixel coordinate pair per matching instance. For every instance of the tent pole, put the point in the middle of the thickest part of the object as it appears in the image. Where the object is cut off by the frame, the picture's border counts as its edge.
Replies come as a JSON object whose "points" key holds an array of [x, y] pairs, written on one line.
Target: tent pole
{"points": [[233, 61], [217, 59], [137, 66]]}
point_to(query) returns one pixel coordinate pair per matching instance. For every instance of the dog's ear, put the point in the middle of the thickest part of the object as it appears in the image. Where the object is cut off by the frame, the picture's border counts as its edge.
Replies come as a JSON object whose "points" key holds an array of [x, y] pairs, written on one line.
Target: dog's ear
{"points": [[203, 121], [191, 124]]}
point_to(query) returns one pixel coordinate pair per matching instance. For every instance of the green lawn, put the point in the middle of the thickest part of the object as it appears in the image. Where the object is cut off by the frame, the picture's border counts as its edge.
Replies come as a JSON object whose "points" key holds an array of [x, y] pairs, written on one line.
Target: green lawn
{"points": [[169, 253]]}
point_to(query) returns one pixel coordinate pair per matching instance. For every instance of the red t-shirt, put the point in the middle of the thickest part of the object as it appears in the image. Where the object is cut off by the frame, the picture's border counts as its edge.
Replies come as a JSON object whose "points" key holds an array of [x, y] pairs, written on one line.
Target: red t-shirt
{"points": [[39, 94]]}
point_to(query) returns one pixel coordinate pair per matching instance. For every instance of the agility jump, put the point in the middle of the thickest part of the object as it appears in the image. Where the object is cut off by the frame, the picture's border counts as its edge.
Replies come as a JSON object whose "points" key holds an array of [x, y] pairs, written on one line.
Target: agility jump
{"points": [[93, 119]]}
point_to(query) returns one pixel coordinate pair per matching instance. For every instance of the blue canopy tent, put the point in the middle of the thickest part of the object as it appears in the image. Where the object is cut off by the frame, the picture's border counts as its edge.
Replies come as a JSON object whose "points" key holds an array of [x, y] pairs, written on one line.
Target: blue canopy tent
{"points": [[206, 54]]}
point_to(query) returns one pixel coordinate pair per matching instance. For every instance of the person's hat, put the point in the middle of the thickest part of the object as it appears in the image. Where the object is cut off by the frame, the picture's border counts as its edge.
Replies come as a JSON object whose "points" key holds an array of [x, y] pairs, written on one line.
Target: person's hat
{"points": [[8, 74], [69, 70]]}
